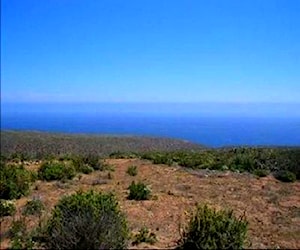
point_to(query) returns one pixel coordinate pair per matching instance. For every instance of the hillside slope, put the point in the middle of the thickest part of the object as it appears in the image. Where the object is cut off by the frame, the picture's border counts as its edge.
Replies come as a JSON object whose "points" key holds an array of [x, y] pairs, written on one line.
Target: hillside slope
{"points": [[40, 144], [270, 206]]}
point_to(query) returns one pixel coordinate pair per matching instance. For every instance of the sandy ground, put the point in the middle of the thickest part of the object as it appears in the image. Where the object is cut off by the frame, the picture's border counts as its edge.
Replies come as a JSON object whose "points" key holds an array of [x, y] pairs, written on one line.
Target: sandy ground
{"points": [[271, 207]]}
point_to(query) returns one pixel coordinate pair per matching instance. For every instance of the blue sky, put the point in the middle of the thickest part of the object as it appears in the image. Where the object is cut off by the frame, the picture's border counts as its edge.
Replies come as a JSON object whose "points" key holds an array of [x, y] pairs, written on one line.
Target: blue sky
{"points": [[150, 51]]}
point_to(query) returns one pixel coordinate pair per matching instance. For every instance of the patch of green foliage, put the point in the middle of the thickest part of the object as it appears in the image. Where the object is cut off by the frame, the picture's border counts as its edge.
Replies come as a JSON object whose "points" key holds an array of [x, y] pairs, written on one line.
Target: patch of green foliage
{"points": [[254, 160], [89, 163], [132, 170], [21, 238], [17, 232], [158, 157], [261, 172], [211, 229], [144, 235], [285, 176], [15, 181], [18, 157], [17, 227], [86, 221], [139, 191], [84, 168], [93, 161], [108, 167], [289, 160], [56, 170], [7, 208], [123, 155], [33, 207]]}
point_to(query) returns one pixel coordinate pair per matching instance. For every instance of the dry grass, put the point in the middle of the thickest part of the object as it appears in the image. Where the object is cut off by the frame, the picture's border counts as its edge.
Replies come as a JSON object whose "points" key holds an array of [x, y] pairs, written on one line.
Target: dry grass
{"points": [[271, 207]]}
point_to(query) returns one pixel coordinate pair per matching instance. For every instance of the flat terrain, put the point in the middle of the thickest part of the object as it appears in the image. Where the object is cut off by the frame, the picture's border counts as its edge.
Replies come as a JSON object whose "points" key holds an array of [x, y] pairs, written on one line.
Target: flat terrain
{"points": [[271, 207]]}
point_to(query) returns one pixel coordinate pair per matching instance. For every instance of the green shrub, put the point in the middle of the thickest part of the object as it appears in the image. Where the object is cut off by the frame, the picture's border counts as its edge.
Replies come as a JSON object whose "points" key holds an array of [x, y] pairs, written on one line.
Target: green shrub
{"points": [[85, 169], [123, 155], [144, 235], [192, 160], [162, 160], [19, 157], [93, 161], [18, 227], [132, 170], [16, 243], [158, 158], [290, 159], [3, 158], [7, 208], [138, 191], [21, 238], [33, 207], [261, 172], [17, 233], [55, 170], [107, 167], [211, 229], [285, 176], [81, 165], [86, 221], [85, 163], [15, 181]]}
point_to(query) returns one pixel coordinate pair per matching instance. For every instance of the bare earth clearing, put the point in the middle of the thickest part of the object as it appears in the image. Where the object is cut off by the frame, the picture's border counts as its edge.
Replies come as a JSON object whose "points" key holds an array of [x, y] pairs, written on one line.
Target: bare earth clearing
{"points": [[271, 207]]}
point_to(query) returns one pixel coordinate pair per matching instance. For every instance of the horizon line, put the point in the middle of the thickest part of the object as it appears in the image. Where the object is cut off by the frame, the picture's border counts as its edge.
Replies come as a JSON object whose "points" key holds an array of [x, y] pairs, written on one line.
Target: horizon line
{"points": [[148, 102]]}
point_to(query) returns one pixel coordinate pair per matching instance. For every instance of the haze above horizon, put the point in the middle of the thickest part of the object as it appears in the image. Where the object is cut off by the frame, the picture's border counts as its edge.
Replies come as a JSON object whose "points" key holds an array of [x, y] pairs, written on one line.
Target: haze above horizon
{"points": [[218, 51]]}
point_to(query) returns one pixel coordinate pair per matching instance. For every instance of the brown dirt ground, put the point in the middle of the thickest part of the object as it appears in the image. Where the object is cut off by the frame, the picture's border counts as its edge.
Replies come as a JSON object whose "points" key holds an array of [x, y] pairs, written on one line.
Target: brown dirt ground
{"points": [[271, 207]]}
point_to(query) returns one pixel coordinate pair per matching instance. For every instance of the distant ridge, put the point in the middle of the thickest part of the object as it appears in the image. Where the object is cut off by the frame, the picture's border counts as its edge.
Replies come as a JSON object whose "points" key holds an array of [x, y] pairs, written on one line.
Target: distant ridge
{"points": [[38, 144]]}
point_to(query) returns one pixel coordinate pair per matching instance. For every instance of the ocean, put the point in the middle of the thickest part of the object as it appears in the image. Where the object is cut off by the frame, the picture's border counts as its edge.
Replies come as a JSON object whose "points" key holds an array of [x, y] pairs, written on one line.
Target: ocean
{"points": [[223, 129]]}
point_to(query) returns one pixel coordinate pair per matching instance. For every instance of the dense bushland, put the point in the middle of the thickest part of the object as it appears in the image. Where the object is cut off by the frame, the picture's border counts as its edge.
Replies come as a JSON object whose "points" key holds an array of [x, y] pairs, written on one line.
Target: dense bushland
{"points": [[22, 146], [259, 161]]}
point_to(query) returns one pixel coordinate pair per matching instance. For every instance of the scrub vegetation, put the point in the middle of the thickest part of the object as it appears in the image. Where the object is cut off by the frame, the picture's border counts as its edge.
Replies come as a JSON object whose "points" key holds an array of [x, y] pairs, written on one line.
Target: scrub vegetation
{"points": [[283, 162], [240, 192], [211, 229]]}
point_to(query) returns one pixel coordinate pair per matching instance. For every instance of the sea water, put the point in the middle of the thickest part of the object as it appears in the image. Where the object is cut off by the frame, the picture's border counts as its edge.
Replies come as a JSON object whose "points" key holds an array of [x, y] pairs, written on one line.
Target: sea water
{"points": [[211, 128]]}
